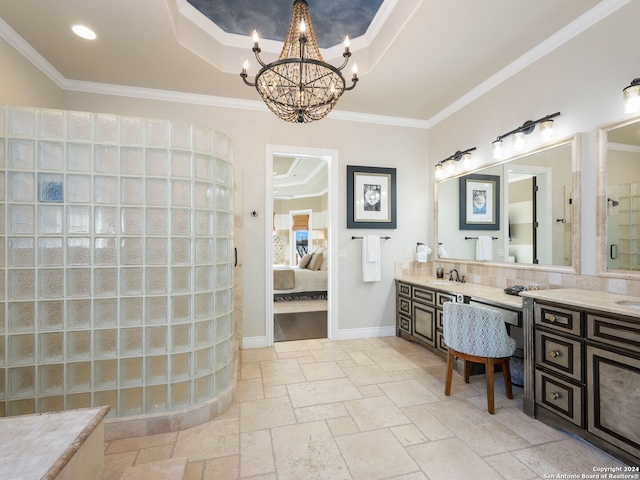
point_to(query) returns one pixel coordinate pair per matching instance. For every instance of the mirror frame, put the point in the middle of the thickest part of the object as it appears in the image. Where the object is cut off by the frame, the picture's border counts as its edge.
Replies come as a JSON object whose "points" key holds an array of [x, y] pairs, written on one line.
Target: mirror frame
{"points": [[574, 141], [601, 202]]}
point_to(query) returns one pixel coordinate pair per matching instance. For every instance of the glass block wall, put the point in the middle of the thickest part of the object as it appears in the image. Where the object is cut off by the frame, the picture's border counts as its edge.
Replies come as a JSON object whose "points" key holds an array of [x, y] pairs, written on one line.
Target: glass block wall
{"points": [[116, 263]]}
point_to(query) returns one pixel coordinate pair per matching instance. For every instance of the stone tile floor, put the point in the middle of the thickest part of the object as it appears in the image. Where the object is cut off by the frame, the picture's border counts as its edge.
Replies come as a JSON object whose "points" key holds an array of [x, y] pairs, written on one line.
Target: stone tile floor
{"points": [[362, 409]]}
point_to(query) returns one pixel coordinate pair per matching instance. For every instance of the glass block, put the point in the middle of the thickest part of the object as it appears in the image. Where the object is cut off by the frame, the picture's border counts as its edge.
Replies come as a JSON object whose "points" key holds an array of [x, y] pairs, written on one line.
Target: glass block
{"points": [[51, 124], [131, 191], [105, 374], [50, 188], [106, 219], [78, 314], [180, 394], [157, 221], [105, 344], [181, 135], [78, 376], [180, 164], [204, 333], [105, 282], [204, 222], [181, 251], [22, 252], [203, 139], [222, 250], [131, 401], [204, 307], [131, 281], [180, 308], [223, 279], [204, 250], [156, 310], [106, 159], [51, 156], [204, 361], [21, 349], [51, 348], [105, 190], [156, 340], [180, 366], [131, 341], [20, 407], [2, 319], [22, 284], [157, 191], [180, 193], [180, 337], [107, 397], [79, 157], [105, 251], [78, 400], [3, 362], [204, 388], [156, 162], [105, 312], [22, 317], [50, 315], [78, 220], [131, 221], [131, 371], [78, 282], [156, 369], [79, 126], [21, 219], [50, 219], [131, 311], [78, 188], [50, 379], [22, 154], [50, 404], [51, 283], [131, 131], [203, 195], [221, 381], [22, 187], [204, 278], [221, 198], [131, 161], [223, 173], [223, 302], [222, 225], [158, 133], [221, 354], [22, 121], [79, 345], [181, 279], [204, 168], [2, 184], [131, 251], [156, 251], [180, 222], [78, 251], [156, 278], [155, 399], [106, 128], [22, 381]]}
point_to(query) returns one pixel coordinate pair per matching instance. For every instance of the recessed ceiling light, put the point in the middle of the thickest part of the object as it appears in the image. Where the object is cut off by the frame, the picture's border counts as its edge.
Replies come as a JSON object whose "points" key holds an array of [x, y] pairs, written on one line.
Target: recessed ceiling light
{"points": [[84, 32]]}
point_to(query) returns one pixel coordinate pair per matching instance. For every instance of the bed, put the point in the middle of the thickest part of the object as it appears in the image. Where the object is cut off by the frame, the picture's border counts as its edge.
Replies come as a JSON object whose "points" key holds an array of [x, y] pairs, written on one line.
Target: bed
{"points": [[297, 282]]}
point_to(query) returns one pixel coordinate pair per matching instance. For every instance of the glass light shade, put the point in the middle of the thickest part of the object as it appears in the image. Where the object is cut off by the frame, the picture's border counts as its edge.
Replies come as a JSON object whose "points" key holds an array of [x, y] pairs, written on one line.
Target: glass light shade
{"points": [[450, 166], [497, 149], [546, 131], [518, 140], [632, 98], [439, 171], [467, 161], [84, 32]]}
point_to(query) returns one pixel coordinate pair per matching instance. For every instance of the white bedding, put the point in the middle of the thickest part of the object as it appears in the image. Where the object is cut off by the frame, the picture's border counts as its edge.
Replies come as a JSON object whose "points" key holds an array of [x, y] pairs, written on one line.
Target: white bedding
{"points": [[305, 280]]}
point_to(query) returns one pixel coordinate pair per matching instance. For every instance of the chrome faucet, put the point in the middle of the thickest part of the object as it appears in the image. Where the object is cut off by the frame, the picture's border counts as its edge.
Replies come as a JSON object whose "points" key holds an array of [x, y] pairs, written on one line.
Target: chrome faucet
{"points": [[451, 275]]}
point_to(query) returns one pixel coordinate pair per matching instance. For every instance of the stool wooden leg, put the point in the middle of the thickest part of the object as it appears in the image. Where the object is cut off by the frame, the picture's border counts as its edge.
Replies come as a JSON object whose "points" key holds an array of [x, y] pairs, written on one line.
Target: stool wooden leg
{"points": [[507, 377], [447, 383], [467, 370], [489, 367]]}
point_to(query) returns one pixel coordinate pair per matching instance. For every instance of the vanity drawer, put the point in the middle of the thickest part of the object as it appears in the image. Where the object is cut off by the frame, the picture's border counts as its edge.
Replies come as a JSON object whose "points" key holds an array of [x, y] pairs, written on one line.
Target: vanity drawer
{"points": [[559, 319], [562, 398], [440, 345], [560, 354], [618, 332], [404, 306], [439, 316], [404, 323], [442, 298], [425, 296], [404, 289]]}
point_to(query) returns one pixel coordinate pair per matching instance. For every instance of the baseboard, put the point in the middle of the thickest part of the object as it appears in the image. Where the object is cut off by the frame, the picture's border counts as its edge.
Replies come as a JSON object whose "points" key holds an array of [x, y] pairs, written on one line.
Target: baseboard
{"points": [[356, 333], [254, 342]]}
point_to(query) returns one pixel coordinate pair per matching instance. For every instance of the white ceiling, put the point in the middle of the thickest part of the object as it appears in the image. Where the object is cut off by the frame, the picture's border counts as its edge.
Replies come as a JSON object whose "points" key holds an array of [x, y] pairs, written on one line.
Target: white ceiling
{"points": [[427, 58]]}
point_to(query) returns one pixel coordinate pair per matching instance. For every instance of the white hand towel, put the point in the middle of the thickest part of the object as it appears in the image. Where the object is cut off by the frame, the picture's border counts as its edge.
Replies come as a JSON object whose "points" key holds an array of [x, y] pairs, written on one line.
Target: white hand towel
{"points": [[371, 258], [484, 248]]}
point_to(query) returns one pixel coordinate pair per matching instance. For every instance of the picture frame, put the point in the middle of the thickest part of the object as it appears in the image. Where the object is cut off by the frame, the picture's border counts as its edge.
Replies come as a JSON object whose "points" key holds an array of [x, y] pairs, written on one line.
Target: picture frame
{"points": [[371, 197], [479, 202]]}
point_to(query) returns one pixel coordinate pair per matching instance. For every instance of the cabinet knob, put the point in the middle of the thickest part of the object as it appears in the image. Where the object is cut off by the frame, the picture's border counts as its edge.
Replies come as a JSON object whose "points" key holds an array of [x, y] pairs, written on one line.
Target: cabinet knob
{"points": [[554, 396], [551, 318], [554, 353]]}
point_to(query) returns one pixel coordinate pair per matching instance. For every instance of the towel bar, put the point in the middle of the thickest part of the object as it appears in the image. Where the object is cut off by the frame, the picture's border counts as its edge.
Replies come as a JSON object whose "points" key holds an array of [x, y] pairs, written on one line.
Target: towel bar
{"points": [[475, 238], [360, 238]]}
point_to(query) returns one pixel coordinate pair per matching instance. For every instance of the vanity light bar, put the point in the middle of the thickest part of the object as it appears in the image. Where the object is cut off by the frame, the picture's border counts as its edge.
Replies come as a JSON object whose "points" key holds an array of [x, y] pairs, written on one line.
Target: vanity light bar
{"points": [[632, 97], [546, 133], [449, 163]]}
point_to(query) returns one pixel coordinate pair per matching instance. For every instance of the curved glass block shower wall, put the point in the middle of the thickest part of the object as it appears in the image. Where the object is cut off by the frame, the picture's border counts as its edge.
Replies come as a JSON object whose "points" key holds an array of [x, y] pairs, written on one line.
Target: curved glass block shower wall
{"points": [[117, 263]]}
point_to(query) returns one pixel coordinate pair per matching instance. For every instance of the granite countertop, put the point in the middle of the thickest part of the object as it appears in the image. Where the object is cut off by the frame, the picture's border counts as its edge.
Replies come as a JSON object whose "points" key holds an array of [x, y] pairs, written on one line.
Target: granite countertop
{"points": [[476, 292], [595, 300]]}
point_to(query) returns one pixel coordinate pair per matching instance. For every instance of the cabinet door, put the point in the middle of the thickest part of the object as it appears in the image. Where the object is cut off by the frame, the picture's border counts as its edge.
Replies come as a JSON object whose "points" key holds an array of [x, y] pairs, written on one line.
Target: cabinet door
{"points": [[613, 390], [424, 317]]}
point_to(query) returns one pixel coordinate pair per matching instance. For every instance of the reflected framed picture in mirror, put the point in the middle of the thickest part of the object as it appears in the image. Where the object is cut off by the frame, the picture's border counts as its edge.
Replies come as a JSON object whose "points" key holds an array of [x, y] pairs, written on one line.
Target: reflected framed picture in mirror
{"points": [[371, 197], [480, 202]]}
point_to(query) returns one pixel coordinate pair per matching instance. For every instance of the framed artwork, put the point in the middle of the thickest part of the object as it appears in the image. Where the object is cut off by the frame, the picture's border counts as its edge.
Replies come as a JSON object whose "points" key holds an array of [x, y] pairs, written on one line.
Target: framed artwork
{"points": [[480, 202], [371, 197]]}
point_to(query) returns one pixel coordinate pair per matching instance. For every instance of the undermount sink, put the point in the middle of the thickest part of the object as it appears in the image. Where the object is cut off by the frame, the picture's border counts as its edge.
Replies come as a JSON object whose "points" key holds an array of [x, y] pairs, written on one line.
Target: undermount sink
{"points": [[629, 303], [440, 283]]}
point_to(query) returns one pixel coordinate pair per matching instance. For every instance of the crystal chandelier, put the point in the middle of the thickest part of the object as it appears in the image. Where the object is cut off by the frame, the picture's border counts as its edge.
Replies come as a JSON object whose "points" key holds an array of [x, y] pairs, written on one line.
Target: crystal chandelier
{"points": [[300, 86]]}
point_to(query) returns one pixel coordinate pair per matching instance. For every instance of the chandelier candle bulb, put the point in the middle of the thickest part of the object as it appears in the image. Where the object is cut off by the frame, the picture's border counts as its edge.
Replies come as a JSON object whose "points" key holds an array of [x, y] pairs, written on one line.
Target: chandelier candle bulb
{"points": [[255, 39], [347, 44], [245, 66]]}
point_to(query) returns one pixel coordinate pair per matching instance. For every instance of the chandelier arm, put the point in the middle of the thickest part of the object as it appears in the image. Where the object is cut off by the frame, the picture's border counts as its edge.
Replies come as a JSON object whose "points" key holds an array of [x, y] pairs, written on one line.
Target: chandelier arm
{"points": [[244, 79], [353, 85], [346, 56], [257, 52]]}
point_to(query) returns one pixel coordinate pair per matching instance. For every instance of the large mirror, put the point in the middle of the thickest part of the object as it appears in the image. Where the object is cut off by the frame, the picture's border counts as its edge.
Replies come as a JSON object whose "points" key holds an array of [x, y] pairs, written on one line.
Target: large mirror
{"points": [[619, 198], [535, 196]]}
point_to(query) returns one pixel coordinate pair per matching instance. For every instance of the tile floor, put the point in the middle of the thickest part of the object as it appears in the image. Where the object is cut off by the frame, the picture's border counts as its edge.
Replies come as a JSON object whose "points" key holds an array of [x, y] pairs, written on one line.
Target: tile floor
{"points": [[362, 409]]}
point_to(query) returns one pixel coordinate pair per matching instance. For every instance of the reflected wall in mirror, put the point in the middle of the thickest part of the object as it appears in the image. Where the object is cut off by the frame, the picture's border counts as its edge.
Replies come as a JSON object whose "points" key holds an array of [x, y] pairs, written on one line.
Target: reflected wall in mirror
{"points": [[538, 213], [620, 196]]}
